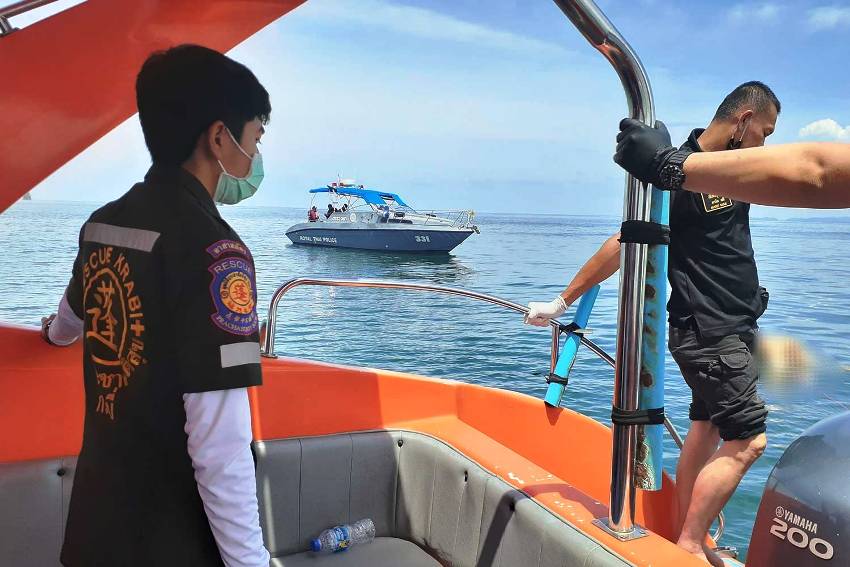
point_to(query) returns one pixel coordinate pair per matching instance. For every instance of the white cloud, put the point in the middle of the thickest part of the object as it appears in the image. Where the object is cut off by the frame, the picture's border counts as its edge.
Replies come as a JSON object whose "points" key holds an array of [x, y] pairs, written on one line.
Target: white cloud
{"points": [[765, 12], [827, 17], [427, 24], [827, 129]]}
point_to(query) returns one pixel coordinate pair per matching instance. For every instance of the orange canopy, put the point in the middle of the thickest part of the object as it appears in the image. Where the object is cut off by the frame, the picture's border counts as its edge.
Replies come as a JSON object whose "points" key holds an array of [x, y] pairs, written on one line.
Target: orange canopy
{"points": [[69, 79]]}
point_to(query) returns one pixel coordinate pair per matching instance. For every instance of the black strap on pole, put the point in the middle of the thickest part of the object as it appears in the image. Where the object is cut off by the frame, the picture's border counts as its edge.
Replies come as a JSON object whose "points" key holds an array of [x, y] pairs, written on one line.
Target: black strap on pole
{"points": [[571, 328], [644, 232], [653, 416], [555, 379]]}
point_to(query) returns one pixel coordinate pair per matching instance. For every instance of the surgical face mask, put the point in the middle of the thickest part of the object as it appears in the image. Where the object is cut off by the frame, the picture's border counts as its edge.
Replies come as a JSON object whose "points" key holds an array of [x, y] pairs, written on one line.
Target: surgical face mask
{"points": [[231, 189], [735, 145]]}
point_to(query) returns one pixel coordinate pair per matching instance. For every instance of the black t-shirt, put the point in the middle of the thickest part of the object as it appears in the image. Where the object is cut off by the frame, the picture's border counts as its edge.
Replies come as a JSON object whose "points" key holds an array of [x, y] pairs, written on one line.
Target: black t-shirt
{"points": [[167, 292], [712, 271]]}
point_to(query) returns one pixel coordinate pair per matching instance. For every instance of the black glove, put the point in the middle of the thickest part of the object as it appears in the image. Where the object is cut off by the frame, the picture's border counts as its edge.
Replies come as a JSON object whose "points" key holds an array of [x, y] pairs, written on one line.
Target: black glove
{"points": [[644, 152]]}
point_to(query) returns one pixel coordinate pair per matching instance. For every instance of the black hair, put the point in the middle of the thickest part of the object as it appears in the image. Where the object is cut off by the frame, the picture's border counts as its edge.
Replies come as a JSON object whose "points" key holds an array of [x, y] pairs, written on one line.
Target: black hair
{"points": [[752, 93], [180, 92]]}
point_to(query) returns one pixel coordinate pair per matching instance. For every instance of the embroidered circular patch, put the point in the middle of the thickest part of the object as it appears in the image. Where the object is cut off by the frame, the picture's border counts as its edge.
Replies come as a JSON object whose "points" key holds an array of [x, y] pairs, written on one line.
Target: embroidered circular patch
{"points": [[114, 326], [234, 295], [237, 293]]}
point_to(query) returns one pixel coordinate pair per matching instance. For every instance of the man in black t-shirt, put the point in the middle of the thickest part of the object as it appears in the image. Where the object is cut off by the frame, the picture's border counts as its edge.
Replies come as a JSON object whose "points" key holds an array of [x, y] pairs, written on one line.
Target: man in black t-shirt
{"points": [[714, 303], [164, 295]]}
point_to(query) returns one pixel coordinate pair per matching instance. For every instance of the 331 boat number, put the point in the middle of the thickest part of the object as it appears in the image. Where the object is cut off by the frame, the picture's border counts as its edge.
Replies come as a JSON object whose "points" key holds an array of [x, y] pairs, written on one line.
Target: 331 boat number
{"points": [[798, 538], [423, 238]]}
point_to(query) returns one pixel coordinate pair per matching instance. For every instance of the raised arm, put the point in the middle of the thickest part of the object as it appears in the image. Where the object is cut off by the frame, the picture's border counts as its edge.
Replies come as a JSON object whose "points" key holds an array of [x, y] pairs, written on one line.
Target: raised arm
{"points": [[601, 266], [598, 268], [813, 175]]}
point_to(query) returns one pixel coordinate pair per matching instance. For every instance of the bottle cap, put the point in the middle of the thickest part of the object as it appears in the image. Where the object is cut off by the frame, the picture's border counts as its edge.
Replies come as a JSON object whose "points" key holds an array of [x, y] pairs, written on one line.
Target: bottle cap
{"points": [[316, 545]]}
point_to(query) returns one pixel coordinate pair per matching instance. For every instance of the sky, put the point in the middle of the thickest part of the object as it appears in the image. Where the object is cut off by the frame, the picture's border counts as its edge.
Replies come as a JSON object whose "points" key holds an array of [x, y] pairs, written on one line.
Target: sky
{"points": [[499, 106]]}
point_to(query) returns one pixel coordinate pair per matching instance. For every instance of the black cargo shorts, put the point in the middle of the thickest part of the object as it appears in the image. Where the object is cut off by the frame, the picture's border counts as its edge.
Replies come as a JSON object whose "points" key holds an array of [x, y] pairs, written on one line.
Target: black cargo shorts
{"points": [[722, 374]]}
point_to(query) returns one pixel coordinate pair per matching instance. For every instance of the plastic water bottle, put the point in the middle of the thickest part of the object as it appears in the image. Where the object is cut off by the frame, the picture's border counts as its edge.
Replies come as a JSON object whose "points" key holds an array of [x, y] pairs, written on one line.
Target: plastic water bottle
{"points": [[340, 538]]}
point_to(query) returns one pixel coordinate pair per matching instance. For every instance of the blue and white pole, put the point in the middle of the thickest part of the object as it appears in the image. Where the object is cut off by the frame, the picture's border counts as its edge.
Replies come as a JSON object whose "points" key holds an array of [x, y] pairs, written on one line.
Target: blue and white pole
{"points": [[649, 458]]}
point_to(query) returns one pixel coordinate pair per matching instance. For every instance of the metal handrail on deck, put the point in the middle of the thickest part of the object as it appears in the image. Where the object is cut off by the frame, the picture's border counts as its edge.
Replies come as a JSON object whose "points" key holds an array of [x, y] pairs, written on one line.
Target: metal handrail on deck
{"points": [[268, 343], [271, 327], [17, 9]]}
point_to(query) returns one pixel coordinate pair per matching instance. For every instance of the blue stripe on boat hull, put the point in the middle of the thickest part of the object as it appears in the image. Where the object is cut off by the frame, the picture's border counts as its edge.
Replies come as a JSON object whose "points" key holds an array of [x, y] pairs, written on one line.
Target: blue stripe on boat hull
{"points": [[407, 240]]}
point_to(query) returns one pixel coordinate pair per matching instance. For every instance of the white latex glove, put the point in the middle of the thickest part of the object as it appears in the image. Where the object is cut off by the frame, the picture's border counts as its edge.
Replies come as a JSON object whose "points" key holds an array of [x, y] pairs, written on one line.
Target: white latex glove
{"points": [[540, 312]]}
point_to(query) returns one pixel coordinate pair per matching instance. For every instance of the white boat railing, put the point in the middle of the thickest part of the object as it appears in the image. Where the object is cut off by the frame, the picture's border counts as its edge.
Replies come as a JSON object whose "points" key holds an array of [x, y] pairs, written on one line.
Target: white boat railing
{"points": [[458, 218], [453, 218]]}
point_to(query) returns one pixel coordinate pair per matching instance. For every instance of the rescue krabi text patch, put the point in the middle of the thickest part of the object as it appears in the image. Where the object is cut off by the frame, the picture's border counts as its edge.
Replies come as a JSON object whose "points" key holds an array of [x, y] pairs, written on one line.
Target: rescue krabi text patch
{"points": [[713, 203], [114, 325], [222, 247], [234, 295]]}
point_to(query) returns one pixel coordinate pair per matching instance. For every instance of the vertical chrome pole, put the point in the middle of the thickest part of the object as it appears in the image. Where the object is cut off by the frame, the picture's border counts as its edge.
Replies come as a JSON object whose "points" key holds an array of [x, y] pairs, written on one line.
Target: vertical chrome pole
{"points": [[603, 36]]}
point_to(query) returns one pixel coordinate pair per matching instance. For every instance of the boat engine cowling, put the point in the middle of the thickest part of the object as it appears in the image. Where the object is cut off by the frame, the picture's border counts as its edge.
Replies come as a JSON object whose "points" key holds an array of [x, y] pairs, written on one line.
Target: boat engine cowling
{"points": [[804, 517]]}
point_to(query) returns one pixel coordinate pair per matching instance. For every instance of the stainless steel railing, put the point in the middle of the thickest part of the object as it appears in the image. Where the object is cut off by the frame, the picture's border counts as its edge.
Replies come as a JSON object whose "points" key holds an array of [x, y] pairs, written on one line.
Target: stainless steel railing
{"points": [[271, 326], [268, 349], [604, 37], [17, 9]]}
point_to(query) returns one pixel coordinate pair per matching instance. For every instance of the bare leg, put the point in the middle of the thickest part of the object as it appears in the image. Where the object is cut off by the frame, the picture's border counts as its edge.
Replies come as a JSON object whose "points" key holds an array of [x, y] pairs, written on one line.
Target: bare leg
{"points": [[700, 445], [713, 488]]}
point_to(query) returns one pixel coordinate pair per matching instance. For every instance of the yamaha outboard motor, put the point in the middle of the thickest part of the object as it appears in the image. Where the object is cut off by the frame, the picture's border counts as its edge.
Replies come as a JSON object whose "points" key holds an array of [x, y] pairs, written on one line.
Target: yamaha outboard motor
{"points": [[804, 517]]}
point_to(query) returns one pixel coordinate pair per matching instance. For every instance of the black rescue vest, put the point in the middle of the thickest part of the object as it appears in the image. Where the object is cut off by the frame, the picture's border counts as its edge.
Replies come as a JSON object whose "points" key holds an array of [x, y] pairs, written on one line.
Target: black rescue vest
{"points": [[167, 293]]}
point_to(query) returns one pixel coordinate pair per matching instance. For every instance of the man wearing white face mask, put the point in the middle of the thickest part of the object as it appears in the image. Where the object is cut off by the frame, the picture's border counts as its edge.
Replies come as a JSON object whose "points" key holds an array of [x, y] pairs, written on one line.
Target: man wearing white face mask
{"points": [[714, 304], [164, 295]]}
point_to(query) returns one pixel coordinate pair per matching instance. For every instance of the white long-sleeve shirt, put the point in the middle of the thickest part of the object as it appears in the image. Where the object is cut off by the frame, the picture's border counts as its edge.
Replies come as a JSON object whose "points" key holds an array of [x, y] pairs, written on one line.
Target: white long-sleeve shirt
{"points": [[219, 428], [218, 425], [66, 328]]}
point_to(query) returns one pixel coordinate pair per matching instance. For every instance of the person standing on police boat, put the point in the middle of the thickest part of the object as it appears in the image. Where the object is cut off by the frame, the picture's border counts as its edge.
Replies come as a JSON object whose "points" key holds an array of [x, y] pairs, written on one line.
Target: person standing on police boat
{"points": [[714, 304], [164, 295]]}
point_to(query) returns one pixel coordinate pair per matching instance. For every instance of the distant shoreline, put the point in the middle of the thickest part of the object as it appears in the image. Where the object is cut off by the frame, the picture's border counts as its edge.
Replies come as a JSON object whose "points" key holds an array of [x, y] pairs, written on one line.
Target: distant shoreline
{"points": [[838, 217]]}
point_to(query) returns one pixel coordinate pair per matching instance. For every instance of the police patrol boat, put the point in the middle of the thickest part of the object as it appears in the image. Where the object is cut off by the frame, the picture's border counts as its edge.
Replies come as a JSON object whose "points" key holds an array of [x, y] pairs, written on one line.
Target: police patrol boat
{"points": [[451, 473], [357, 217]]}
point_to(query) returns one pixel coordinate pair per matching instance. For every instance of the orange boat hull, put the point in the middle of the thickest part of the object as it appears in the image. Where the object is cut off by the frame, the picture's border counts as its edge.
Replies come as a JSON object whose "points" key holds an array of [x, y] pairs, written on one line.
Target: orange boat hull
{"points": [[560, 458]]}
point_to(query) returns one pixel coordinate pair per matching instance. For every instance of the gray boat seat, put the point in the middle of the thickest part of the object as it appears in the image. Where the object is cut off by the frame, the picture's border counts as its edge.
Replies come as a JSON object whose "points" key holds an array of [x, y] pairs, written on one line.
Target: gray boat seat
{"points": [[416, 489], [383, 552], [431, 506], [34, 498]]}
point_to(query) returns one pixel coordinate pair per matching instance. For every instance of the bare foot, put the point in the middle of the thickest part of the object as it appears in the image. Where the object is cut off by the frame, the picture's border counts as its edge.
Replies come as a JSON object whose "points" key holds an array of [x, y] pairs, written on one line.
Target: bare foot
{"points": [[706, 554], [711, 556]]}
